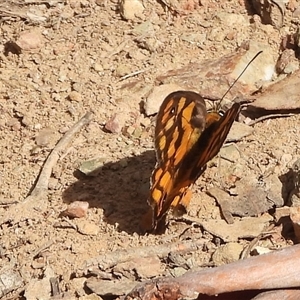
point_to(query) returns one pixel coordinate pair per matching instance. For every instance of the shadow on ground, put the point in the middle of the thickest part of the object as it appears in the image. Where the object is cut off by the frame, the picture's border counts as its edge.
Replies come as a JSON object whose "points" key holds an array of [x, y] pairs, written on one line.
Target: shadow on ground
{"points": [[119, 188]]}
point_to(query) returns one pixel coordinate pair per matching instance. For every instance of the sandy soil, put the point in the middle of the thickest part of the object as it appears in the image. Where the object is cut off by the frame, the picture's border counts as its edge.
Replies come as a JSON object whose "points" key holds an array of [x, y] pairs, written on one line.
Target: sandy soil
{"points": [[87, 47]]}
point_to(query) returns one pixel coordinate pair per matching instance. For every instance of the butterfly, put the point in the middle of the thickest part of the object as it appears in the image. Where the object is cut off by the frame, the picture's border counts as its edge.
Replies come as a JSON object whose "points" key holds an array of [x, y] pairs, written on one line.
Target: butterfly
{"points": [[187, 136]]}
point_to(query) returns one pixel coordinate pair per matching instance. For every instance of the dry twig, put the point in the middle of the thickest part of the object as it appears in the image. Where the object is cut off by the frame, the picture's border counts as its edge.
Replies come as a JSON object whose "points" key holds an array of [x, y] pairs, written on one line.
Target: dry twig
{"points": [[271, 116], [34, 202], [275, 270], [109, 260]]}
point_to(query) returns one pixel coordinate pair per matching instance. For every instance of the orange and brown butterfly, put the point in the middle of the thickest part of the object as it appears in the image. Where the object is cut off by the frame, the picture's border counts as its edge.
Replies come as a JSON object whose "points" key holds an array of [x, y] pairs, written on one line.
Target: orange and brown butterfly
{"points": [[186, 138]]}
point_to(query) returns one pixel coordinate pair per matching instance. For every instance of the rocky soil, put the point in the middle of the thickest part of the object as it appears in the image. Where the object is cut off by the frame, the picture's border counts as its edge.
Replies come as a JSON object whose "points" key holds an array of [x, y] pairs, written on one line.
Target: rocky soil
{"points": [[61, 59]]}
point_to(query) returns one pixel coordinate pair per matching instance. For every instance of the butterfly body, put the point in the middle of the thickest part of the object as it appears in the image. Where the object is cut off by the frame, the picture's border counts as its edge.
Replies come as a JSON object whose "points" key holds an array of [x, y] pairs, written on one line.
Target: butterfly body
{"points": [[186, 138]]}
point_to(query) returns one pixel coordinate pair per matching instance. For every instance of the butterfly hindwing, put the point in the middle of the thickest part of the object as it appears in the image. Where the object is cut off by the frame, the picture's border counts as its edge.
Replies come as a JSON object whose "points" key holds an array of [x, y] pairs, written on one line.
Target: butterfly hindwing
{"points": [[207, 146], [186, 138]]}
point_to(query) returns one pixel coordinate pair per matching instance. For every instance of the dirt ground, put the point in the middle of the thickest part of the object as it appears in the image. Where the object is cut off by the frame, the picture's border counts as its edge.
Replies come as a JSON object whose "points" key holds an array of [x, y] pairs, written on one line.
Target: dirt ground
{"points": [[87, 47]]}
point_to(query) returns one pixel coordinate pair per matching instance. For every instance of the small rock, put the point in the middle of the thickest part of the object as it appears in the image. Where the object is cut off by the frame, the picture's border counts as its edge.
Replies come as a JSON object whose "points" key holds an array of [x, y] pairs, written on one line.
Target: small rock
{"points": [[98, 67], [122, 70], [53, 183], [91, 297], [148, 267], [110, 287], [223, 200], [14, 124], [130, 9], [245, 228], [78, 284], [10, 280], [45, 137], [92, 167], [137, 54], [77, 209], [227, 253], [157, 96], [30, 40], [74, 4], [281, 212], [100, 2], [40, 288], [181, 6], [258, 250], [232, 20], [39, 263], [87, 228], [130, 130], [230, 152], [296, 13], [115, 123], [287, 62], [295, 218], [286, 159], [123, 162], [177, 271], [142, 267], [75, 96], [152, 44], [145, 122], [144, 29], [194, 38], [239, 131]]}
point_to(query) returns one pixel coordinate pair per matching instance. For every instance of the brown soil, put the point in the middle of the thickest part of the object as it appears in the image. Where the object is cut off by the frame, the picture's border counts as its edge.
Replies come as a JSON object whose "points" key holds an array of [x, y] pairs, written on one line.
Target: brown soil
{"points": [[87, 47]]}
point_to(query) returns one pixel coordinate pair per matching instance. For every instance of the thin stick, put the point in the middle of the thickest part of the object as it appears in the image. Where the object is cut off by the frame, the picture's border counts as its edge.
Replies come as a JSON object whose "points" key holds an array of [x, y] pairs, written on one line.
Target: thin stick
{"points": [[133, 74], [269, 117], [109, 260], [43, 181], [42, 248], [271, 271], [33, 203]]}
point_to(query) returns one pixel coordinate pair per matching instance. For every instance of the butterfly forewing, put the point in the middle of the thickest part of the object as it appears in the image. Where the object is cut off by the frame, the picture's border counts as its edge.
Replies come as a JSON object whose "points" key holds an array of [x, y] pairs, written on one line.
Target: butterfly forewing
{"points": [[186, 138], [180, 121]]}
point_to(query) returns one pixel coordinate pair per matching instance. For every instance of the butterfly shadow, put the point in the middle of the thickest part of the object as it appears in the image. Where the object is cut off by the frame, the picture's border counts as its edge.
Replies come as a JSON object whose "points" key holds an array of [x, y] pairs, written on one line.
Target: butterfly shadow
{"points": [[119, 188]]}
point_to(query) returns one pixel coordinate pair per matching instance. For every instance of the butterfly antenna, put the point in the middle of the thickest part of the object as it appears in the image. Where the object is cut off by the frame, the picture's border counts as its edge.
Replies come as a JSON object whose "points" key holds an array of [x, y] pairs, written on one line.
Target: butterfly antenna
{"points": [[219, 104]]}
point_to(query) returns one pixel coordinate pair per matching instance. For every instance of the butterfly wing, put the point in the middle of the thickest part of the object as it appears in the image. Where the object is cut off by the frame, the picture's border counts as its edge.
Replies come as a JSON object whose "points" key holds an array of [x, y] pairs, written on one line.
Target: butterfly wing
{"points": [[194, 162], [180, 122], [186, 138], [207, 146]]}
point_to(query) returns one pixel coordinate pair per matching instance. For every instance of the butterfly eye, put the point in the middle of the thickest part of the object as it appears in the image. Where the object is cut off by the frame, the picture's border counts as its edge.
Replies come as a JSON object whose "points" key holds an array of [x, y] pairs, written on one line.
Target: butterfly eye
{"points": [[172, 111], [221, 113]]}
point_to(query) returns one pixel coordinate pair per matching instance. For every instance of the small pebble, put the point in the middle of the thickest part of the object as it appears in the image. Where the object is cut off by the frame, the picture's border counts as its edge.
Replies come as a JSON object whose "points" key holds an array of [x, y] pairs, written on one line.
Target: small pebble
{"points": [[130, 9], [227, 253], [30, 40], [122, 70], [87, 228], [44, 137], [75, 96], [77, 209], [92, 166], [98, 67], [115, 123]]}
